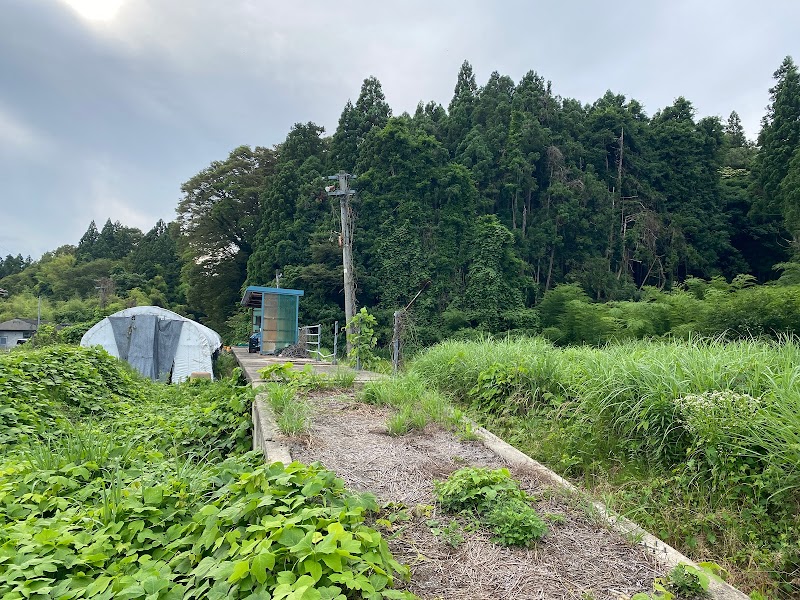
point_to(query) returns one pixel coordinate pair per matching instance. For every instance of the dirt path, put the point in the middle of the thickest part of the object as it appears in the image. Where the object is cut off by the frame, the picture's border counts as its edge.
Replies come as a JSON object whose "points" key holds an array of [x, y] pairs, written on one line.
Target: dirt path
{"points": [[577, 559]]}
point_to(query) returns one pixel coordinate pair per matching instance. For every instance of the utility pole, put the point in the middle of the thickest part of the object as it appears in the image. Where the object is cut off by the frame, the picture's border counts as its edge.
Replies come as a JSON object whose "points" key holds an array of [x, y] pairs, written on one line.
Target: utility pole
{"points": [[105, 285], [344, 192]]}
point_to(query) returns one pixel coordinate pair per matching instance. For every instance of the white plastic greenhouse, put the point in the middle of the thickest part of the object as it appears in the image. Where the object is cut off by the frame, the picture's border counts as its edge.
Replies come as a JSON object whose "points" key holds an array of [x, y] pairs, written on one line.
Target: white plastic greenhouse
{"points": [[159, 343]]}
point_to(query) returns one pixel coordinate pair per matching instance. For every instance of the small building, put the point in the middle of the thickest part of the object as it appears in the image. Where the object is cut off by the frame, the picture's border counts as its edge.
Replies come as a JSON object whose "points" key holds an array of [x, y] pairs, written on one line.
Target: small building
{"points": [[16, 331], [275, 314]]}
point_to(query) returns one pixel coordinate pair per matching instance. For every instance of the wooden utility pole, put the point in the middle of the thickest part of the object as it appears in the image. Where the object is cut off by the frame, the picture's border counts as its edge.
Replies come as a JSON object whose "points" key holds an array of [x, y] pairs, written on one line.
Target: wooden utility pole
{"points": [[105, 286], [344, 192]]}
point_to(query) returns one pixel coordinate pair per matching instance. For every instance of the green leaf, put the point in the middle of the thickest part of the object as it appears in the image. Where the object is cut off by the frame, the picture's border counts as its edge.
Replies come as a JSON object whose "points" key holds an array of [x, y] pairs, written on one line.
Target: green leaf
{"points": [[261, 564], [313, 568], [312, 488], [153, 496], [240, 570], [333, 561], [291, 536], [154, 584]]}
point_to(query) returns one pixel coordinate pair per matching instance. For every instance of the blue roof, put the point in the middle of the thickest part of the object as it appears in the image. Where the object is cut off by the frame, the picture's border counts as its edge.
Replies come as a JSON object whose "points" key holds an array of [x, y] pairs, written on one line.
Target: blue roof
{"points": [[253, 293]]}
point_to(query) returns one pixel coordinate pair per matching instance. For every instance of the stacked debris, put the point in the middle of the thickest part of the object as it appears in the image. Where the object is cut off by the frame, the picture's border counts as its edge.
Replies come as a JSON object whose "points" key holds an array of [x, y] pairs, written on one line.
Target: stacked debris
{"points": [[297, 350]]}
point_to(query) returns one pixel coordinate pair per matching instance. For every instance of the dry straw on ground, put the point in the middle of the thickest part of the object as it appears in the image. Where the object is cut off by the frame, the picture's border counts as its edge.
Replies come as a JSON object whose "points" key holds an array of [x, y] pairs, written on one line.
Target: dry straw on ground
{"points": [[579, 558]]}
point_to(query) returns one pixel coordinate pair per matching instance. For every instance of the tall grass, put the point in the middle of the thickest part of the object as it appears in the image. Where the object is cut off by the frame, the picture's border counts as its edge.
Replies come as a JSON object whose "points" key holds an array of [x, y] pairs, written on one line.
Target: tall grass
{"points": [[416, 401], [292, 413], [709, 429], [76, 445], [455, 366], [630, 391]]}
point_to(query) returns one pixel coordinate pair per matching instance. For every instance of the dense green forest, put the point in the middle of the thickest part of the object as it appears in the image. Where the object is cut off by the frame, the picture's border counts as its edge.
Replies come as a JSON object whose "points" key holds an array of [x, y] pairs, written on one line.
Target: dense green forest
{"points": [[490, 206], [107, 271]]}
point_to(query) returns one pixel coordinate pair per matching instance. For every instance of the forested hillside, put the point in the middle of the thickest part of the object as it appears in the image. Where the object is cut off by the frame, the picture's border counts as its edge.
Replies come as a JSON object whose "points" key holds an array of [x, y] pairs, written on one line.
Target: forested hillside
{"points": [[486, 205], [107, 271]]}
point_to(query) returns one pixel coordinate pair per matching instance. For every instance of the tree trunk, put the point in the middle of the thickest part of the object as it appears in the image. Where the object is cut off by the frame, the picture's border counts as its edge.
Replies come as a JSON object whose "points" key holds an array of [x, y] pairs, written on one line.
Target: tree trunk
{"points": [[525, 210], [514, 211], [550, 268]]}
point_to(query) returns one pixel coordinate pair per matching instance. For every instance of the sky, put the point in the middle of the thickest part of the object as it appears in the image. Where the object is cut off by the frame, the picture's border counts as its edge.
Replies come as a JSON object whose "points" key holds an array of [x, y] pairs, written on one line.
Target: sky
{"points": [[108, 106]]}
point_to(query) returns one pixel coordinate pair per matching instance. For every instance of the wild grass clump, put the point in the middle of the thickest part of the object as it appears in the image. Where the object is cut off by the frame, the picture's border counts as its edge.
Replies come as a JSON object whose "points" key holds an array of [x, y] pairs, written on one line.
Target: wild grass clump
{"points": [[292, 412], [341, 379], [417, 403], [698, 439], [406, 420]]}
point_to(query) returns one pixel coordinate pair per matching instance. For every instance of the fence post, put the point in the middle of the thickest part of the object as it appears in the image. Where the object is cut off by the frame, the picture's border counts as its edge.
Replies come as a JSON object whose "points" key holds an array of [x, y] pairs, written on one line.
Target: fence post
{"points": [[396, 342], [335, 339]]}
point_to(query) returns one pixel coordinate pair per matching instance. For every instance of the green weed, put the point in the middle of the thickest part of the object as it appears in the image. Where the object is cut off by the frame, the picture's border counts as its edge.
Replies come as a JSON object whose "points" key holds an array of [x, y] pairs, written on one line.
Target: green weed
{"points": [[408, 419], [496, 500], [292, 413], [417, 403], [449, 533]]}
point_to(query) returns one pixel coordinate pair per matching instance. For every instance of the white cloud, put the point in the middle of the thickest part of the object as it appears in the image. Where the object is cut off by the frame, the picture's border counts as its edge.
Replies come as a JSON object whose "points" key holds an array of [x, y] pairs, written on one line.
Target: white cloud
{"points": [[95, 10], [107, 185], [17, 139]]}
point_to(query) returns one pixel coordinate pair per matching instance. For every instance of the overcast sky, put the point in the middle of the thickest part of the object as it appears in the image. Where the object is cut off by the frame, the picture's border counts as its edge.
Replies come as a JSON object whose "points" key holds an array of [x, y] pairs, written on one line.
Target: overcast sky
{"points": [[107, 106]]}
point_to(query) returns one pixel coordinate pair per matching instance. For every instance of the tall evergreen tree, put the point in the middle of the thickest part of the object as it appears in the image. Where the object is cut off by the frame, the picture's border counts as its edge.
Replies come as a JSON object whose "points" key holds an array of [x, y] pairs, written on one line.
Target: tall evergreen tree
{"points": [[86, 246], [370, 111], [345, 141], [460, 109], [290, 205], [735, 132], [688, 156], [371, 106], [779, 140]]}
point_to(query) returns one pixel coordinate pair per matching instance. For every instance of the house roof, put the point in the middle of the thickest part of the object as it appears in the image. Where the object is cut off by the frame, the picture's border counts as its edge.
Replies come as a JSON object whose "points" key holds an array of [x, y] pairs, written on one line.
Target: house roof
{"points": [[18, 325], [253, 293]]}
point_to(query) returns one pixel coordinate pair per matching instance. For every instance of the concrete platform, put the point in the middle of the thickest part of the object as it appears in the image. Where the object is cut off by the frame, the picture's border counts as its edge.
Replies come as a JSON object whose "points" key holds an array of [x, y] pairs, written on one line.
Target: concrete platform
{"points": [[252, 363]]}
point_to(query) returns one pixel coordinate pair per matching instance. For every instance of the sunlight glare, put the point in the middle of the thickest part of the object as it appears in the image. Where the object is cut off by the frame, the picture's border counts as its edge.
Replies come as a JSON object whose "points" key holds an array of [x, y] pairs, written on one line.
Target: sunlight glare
{"points": [[95, 10]]}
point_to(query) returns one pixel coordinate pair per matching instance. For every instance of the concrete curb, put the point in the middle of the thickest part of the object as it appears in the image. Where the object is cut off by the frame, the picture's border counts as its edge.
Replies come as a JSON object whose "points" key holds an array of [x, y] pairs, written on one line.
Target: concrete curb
{"points": [[663, 552], [266, 435]]}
